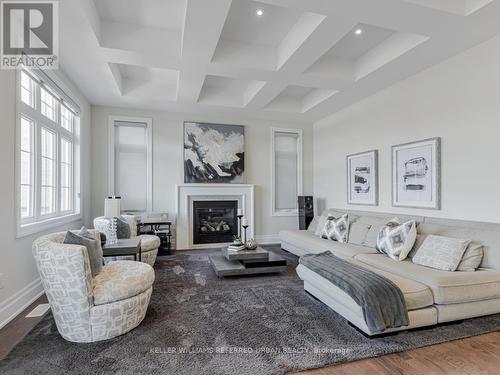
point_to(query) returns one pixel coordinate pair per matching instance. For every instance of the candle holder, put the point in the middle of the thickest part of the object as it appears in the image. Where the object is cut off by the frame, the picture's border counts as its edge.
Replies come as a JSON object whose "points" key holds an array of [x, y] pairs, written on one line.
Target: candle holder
{"points": [[112, 229], [245, 227], [239, 225]]}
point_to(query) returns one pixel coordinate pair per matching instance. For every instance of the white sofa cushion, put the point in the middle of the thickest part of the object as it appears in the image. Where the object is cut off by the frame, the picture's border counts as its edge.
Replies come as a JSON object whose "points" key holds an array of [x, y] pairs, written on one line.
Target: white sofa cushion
{"points": [[447, 287], [312, 244], [417, 295], [120, 280]]}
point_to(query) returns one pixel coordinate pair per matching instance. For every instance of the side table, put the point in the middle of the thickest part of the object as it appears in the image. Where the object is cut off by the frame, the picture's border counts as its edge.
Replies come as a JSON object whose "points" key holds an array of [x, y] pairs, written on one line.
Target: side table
{"points": [[129, 246]]}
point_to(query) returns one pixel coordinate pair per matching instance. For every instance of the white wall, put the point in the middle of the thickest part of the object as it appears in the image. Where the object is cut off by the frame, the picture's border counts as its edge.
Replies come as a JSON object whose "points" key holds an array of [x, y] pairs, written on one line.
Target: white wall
{"points": [[168, 167], [458, 100], [20, 282]]}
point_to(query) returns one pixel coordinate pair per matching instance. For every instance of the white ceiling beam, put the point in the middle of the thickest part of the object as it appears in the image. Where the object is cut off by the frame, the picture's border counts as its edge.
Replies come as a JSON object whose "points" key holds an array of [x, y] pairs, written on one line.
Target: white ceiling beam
{"points": [[320, 41], [90, 11], [265, 95], [203, 23]]}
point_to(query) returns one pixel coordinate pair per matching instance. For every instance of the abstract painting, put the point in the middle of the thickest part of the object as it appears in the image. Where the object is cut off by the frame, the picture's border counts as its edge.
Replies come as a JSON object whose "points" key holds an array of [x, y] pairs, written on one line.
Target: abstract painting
{"points": [[416, 171], [214, 153], [362, 178]]}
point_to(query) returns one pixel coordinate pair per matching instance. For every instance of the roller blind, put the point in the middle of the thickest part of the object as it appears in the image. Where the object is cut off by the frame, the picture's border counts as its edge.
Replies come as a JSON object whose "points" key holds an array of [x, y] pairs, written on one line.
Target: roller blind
{"points": [[131, 163]]}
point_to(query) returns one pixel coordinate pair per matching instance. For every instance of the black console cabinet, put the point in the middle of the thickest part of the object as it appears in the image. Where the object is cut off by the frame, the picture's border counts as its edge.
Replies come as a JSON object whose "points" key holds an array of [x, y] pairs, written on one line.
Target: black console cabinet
{"points": [[162, 229]]}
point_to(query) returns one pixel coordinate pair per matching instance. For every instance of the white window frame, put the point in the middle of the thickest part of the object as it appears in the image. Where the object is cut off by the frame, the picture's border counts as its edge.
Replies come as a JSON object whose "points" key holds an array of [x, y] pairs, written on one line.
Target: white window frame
{"points": [[111, 154], [299, 133], [38, 223]]}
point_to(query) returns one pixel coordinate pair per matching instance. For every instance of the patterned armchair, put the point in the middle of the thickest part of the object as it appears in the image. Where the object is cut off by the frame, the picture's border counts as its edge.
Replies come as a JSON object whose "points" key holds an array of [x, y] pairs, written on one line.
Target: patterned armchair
{"points": [[90, 309], [149, 243]]}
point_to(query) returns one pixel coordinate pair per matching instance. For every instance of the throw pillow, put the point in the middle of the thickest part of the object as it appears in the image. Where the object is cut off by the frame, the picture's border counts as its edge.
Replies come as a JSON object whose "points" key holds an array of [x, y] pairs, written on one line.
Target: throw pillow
{"points": [[122, 228], [418, 242], [321, 225], [95, 257], [472, 258], [336, 229], [358, 232], [442, 253], [396, 239], [94, 253]]}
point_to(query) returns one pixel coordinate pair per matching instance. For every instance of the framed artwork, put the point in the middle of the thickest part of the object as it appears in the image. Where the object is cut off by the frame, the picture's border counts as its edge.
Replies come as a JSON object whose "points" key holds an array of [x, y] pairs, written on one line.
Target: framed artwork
{"points": [[362, 178], [416, 174], [214, 153]]}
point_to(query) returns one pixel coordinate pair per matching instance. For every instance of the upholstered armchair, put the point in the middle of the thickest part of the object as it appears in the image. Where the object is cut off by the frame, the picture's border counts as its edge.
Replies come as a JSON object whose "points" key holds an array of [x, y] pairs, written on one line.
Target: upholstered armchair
{"points": [[88, 309], [149, 243]]}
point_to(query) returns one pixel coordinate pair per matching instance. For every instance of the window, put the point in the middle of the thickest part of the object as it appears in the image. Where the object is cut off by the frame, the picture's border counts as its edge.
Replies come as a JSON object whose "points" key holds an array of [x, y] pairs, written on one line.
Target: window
{"points": [[47, 172], [46, 152], [286, 151], [66, 201], [26, 157], [27, 90], [130, 162], [67, 118]]}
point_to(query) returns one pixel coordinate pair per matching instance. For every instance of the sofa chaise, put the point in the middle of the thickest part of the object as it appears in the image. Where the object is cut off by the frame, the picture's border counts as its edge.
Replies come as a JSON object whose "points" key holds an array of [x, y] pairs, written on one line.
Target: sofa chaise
{"points": [[432, 296]]}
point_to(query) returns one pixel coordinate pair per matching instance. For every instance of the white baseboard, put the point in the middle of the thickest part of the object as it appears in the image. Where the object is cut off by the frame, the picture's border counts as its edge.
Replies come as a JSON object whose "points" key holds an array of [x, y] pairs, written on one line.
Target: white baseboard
{"points": [[14, 305], [268, 239]]}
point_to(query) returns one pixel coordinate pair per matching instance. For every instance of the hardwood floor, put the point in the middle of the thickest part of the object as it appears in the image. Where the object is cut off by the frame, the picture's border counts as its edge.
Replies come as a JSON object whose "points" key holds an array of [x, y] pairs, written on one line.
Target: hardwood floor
{"points": [[471, 356], [475, 355], [16, 329]]}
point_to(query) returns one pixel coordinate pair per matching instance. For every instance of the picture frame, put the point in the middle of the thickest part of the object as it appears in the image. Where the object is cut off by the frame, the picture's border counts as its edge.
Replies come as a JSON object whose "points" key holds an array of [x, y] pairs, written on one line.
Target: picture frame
{"points": [[416, 174], [362, 178], [214, 153]]}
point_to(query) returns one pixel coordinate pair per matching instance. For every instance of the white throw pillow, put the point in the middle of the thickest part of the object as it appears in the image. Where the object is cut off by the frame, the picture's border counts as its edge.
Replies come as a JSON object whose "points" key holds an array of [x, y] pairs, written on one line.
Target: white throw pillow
{"points": [[472, 258], [442, 253], [336, 229], [396, 239]]}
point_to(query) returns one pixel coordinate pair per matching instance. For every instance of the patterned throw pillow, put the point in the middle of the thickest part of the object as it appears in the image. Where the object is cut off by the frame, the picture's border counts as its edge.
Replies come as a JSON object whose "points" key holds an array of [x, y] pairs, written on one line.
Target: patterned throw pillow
{"points": [[336, 229], [396, 239], [442, 253]]}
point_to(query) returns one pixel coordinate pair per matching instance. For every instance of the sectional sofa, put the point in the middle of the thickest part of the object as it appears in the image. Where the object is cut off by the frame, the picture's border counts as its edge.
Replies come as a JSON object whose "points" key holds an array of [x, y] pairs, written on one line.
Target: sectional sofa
{"points": [[432, 296]]}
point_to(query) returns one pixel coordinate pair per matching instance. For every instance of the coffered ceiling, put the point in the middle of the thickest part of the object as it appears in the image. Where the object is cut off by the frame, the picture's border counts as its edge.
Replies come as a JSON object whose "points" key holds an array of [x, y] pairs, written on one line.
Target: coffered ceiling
{"points": [[287, 60]]}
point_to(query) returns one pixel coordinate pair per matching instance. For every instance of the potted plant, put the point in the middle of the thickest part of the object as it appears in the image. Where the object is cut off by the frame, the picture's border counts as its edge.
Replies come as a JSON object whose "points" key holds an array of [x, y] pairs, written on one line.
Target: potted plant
{"points": [[237, 240]]}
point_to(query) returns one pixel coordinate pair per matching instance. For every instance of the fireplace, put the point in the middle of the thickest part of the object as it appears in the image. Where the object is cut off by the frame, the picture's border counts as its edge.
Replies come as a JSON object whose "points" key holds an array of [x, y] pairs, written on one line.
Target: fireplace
{"points": [[214, 221]]}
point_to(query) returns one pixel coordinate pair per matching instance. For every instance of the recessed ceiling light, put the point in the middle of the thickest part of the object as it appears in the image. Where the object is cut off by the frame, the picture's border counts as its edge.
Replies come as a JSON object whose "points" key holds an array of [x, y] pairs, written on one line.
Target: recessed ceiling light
{"points": [[259, 12], [358, 31]]}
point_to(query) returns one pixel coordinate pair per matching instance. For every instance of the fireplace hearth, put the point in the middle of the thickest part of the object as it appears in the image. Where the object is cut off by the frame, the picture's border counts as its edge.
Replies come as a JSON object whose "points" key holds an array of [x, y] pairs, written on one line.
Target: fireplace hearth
{"points": [[214, 221]]}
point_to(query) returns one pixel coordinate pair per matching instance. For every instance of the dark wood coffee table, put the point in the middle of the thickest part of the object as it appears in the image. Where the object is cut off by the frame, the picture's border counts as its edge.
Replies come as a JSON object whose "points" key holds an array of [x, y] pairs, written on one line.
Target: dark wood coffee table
{"points": [[129, 246], [246, 262]]}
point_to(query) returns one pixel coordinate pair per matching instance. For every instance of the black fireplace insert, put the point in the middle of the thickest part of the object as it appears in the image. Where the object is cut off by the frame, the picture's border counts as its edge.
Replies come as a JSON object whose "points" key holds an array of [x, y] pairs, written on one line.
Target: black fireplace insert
{"points": [[214, 221]]}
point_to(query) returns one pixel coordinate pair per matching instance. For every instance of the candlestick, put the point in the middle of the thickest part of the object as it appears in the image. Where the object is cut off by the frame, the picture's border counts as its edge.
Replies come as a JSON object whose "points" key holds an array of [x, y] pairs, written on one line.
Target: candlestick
{"points": [[239, 224], [244, 222], [245, 227]]}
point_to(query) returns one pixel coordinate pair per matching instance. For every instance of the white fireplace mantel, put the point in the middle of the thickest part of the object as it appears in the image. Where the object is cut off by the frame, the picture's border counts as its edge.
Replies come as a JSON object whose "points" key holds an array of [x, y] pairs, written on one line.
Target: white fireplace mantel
{"points": [[186, 194]]}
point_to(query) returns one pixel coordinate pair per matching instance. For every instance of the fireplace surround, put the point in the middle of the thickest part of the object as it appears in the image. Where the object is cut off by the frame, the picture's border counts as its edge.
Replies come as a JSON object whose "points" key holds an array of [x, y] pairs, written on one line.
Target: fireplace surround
{"points": [[187, 194]]}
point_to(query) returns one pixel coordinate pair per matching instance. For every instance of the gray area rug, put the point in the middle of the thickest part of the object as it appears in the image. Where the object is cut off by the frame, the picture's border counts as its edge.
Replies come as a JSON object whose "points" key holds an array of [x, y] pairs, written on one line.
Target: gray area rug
{"points": [[199, 324]]}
